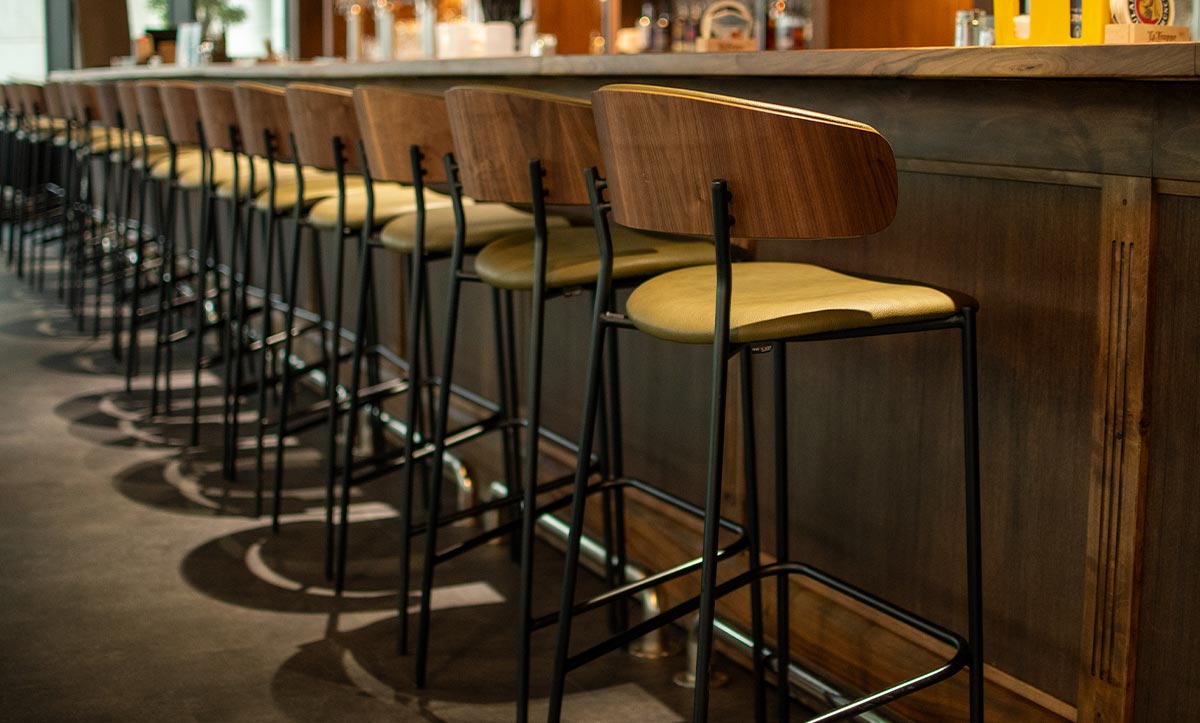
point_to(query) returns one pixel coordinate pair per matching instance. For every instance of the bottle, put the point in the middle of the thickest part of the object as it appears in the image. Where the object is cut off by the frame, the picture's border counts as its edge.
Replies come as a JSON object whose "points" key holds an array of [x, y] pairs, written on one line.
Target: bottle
{"points": [[678, 28], [662, 29], [645, 26], [692, 30]]}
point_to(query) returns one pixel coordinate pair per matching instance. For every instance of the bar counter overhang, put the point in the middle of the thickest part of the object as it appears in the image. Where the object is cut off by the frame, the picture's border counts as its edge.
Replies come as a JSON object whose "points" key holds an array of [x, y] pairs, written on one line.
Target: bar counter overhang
{"points": [[1061, 187]]}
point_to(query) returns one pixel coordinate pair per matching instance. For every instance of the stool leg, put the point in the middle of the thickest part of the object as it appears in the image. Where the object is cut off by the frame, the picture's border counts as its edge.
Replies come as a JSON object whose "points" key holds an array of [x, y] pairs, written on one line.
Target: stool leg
{"points": [[716, 452], [974, 543], [416, 300], [243, 235], [441, 423], [133, 349], [579, 497], [532, 437], [617, 467], [285, 382], [201, 268], [166, 276], [264, 357], [782, 531], [333, 373], [206, 244], [360, 344], [750, 523]]}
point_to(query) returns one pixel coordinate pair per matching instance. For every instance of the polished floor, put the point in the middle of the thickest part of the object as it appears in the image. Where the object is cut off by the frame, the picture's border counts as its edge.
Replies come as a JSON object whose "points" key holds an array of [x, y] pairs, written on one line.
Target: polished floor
{"points": [[136, 585]]}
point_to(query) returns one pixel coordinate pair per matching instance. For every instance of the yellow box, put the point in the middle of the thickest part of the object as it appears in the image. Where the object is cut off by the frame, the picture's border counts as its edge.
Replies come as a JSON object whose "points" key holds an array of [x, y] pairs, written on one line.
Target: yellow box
{"points": [[1050, 22]]}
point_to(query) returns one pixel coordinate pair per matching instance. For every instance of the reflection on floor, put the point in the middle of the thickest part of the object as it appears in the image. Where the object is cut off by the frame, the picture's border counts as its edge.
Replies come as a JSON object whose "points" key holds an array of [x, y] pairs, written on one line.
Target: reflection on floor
{"points": [[135, 584]]}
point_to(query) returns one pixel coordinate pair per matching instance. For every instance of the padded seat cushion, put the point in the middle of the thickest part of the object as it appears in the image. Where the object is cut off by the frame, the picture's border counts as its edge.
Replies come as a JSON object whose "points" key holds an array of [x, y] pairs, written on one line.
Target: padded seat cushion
{"points": [[573, 258], [391, 200], [778, 300], [486, 222], [187, 160], [317, 187], [285, 174]]}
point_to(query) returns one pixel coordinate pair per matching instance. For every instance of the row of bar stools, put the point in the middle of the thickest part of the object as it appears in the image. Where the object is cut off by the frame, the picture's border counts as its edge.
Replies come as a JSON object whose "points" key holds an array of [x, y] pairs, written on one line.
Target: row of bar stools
{"points": [[290, 191], [143, 152], [686, 162], [408, 138], [497, 159], [326, 135], [36, 201]]}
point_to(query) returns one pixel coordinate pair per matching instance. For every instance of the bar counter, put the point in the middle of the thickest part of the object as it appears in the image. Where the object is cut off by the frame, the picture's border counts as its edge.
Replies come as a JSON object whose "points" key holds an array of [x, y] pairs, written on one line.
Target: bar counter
{"points": [[1061, 187]]}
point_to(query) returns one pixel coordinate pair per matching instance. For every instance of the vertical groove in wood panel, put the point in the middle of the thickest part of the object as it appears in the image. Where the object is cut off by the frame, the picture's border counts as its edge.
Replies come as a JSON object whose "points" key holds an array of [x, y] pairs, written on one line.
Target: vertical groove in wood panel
{"points": [[1117, 498]]}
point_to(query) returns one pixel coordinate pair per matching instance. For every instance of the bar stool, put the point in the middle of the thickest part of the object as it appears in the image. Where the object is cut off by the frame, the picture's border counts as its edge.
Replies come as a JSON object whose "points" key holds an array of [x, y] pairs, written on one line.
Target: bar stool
{"points": [[184, 175], [687, 162], [326, 137], [236, 183], [114, 168], [400, 131], [143, 152], [290, 191], [38, 200], [90, 137], [529, 149]]}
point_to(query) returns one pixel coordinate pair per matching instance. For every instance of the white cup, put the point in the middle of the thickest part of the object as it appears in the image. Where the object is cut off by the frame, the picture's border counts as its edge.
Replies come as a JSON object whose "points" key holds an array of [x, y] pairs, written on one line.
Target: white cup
{"points": [[453, 40], [497, 39]]}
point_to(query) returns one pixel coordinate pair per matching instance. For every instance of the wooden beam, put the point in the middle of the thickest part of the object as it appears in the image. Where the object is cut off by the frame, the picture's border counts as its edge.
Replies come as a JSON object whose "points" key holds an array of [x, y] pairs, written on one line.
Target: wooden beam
{"points": [[1117, 494]]}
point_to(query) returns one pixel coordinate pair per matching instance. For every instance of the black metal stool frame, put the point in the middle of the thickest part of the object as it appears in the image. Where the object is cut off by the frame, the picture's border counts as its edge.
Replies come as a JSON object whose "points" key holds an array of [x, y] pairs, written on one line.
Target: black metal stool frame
{"points": [[968, 652]]}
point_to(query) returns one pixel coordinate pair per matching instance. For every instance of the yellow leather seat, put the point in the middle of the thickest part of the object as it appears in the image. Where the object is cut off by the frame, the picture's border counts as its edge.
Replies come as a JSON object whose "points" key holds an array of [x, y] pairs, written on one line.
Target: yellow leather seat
{"points": [[155, 156], [391, 200], [486, 222], [285, 175], [778, 300], [186, 160], [155, 146], [318, 186], [573, 258]]}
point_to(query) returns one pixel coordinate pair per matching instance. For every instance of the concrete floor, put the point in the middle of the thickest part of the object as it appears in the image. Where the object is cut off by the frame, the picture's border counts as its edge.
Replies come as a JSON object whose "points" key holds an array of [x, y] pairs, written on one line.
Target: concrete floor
{"points": [[135, 584]]}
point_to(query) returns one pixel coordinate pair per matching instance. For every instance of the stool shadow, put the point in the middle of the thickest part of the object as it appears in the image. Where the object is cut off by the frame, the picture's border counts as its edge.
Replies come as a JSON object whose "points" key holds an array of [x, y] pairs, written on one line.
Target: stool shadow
{"points": [[285, 572]]}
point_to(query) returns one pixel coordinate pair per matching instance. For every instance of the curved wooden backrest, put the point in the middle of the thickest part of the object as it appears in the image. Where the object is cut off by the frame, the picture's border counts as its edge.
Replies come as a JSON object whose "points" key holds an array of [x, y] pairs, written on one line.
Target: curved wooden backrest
{"points": [[318, 114], [127, 98], [181, 111], [792, 173], [33, 101], [392, 121], [82, 103], [498, 131], [108, 103], [218, 115], [55, 106], [262, 109], [150, 107]]}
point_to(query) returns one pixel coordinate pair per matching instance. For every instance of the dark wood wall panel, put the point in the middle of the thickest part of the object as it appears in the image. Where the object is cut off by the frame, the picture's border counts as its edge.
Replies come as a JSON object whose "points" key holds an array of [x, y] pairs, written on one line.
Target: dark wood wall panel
{"points": [[875, 436], [893, 23], [1167, 684]]}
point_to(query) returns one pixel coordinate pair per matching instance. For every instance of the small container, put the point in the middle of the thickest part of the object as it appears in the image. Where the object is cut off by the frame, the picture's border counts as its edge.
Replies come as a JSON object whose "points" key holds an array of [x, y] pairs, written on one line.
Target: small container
{"points": [[963, 28]]}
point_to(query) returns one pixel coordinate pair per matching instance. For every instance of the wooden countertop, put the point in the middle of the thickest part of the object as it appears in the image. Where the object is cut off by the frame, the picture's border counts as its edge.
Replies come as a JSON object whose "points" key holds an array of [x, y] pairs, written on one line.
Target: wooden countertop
{"points": [[1145, 62]]}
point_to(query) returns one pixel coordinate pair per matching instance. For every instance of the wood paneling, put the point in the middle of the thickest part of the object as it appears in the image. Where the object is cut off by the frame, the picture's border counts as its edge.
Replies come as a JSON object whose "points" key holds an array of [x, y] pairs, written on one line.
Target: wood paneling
{"points": [[893, 23], [572, 22], [875, 448], [1168, 684], [1116, 500], [101, 32]]}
